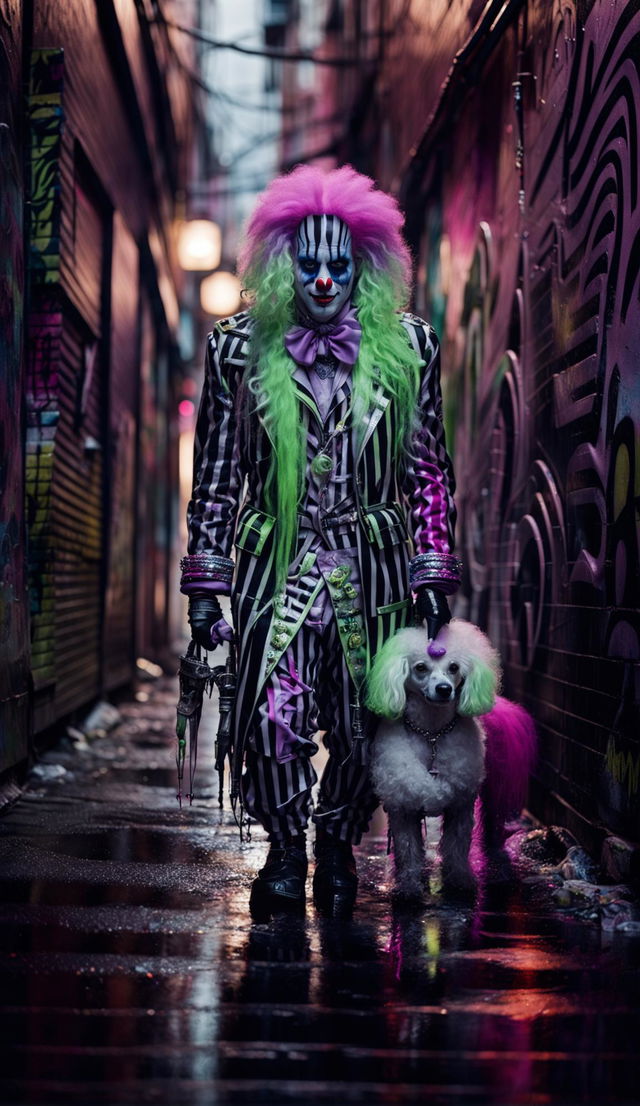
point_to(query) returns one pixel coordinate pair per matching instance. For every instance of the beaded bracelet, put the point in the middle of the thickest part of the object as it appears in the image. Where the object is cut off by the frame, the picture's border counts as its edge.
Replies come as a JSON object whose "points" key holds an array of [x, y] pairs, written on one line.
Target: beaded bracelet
{"points": [[203, 567], [441, 570]]}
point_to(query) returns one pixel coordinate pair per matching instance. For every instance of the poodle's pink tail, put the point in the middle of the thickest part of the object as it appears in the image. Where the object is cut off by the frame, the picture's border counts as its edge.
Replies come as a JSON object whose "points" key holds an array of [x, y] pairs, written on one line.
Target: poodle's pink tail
{"points": [[510, 755]]}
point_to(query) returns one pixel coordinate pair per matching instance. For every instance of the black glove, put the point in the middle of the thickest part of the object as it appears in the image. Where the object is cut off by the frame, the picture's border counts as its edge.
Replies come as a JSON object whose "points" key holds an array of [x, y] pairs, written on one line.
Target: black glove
{"points": [[208, 627], [432, 608]]}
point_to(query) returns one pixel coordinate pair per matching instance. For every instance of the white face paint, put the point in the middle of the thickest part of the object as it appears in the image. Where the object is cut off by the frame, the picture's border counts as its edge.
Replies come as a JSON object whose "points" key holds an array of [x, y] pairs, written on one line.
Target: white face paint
{"points": [[324, 268]]}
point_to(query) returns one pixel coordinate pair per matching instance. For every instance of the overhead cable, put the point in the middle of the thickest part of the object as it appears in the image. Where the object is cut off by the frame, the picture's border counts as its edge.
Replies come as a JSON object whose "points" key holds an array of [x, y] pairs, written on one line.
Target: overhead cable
{"points": [[266, 52]]}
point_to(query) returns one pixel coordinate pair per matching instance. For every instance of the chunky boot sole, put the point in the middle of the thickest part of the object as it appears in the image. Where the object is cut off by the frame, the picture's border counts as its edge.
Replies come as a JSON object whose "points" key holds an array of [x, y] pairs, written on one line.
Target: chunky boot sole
{"points": [[264, 902], [335, 903], [280, 885], [333, 895], [335, 882]]}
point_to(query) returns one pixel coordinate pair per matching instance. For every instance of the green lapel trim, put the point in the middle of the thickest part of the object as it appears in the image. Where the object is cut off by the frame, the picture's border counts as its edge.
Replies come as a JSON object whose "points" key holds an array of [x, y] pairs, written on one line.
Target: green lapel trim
{"points": [[305, 397]]}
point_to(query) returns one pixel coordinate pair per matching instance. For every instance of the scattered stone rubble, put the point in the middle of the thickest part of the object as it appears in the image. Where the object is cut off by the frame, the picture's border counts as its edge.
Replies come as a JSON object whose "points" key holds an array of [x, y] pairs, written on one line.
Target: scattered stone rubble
{"points": [[602, 893]]}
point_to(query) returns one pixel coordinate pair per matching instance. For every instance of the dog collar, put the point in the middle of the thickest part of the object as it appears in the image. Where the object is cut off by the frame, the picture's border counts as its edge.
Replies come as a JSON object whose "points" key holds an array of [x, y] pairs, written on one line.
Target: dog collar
{"points": [[432, 737]]}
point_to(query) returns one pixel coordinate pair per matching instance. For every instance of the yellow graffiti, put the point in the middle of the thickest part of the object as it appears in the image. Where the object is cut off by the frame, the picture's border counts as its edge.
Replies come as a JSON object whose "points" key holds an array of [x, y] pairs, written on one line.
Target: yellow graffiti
{"points": [[46, 120], [623, 767], [432, 942], [39, 467], [621, 480]]}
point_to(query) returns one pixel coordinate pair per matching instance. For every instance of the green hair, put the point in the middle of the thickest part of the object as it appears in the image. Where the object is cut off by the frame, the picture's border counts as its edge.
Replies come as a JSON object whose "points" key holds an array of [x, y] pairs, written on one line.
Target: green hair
{"points": [[479, 690], [385, 359], [385, 693]]}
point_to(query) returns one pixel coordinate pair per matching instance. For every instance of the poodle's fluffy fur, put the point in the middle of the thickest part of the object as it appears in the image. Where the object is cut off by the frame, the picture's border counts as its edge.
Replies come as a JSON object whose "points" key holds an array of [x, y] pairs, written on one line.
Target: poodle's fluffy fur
{"points": [[487, 748]]}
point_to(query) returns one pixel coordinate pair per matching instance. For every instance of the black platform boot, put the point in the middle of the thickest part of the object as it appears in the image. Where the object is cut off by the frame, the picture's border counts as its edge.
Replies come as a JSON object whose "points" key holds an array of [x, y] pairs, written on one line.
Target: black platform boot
{"points": [[335, 882], [280, 885]]}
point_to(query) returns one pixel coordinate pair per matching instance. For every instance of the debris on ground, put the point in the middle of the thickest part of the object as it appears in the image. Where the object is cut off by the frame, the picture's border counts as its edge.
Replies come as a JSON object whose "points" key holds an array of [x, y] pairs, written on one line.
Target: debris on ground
{"points": [[100, 719], [596, 893], [578, 865], [48, 773]]}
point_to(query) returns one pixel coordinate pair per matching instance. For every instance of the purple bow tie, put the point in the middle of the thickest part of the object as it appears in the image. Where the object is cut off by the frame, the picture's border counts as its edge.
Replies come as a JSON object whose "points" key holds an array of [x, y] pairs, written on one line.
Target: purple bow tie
{"points": [[341, 337]]}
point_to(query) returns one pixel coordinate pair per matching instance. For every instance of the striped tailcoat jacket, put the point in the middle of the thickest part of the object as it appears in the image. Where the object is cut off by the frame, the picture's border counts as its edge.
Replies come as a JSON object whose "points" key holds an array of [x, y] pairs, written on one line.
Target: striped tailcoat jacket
{"points": [[402, 509]]}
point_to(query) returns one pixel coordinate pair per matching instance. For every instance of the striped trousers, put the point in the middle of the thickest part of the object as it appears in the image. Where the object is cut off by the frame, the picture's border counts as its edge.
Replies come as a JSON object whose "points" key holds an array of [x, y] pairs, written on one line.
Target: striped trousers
{"points": [[310, 689]]}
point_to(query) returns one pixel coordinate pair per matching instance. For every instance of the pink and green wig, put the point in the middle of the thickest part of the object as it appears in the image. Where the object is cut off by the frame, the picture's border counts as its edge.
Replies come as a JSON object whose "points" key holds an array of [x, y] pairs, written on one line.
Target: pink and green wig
{"points": [[373, 217], [383, 274]]}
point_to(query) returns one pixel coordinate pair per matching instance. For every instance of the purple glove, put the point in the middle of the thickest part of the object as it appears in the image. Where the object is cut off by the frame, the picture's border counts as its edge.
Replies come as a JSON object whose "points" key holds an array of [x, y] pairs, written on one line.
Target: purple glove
{"points": [[208, 627], [432, 608]]}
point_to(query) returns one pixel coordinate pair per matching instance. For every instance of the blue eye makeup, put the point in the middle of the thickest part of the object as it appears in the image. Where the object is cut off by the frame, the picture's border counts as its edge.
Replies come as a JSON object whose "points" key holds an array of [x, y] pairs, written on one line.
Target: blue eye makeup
{"points": [[324, 266], [340, 269]]}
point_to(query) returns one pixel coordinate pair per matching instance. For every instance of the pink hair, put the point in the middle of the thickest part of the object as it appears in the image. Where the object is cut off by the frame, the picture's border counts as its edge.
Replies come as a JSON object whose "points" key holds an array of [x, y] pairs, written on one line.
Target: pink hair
{"points": [[373, 217], [510, 756]]}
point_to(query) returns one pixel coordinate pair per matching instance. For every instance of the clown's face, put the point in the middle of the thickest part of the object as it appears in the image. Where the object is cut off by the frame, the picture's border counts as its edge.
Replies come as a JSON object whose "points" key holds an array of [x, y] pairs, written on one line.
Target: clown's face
{"points": [[324, 268]]}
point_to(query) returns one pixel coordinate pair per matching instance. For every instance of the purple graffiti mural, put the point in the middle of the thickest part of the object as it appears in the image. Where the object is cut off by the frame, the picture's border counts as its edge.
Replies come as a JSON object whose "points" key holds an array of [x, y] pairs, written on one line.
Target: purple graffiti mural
{"points": [[545, 394], [593, 299]]}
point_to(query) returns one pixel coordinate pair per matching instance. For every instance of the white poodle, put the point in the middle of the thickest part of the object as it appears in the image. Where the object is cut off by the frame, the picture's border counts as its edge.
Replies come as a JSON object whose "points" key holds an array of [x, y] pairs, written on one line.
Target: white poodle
{"points": [[433, 754]]}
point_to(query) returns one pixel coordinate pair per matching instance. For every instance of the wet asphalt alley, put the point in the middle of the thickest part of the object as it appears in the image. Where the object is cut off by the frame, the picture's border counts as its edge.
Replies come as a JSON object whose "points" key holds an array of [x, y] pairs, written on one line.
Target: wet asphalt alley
{"points": [[131, 972]]}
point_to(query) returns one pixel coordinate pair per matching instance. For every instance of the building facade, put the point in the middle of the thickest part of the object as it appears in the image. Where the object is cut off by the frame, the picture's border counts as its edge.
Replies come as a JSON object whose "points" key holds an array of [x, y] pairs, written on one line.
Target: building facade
{"points": [[14, 623], [97, 126], [511, 134]]}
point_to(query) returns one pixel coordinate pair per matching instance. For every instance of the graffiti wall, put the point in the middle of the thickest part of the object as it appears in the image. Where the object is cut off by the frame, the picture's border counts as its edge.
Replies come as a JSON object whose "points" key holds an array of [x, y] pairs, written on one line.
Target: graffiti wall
{"points": [[529, 239], [14, 642], [43, 354], [97, 121]]}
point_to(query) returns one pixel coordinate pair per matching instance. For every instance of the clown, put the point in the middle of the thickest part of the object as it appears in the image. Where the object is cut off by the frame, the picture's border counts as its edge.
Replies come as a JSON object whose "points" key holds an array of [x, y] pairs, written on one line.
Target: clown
{"points": [[320, 456]]}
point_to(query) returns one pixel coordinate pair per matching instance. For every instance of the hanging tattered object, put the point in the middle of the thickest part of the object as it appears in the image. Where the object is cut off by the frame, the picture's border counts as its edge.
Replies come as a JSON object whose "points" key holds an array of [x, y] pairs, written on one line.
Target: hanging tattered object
{"points": [[197, 678]]}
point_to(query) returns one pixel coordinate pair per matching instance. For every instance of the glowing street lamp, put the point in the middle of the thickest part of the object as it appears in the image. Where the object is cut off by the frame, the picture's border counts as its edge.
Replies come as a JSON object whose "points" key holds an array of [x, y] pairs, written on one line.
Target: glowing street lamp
{"points": [[220, 294], [199, 245]]}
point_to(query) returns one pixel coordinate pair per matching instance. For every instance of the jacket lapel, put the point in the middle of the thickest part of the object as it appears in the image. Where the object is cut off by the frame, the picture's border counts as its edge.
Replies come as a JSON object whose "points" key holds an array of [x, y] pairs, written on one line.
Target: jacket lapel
{"points": [[342, 390], [373, 417], [341, 398], [304, 392]]}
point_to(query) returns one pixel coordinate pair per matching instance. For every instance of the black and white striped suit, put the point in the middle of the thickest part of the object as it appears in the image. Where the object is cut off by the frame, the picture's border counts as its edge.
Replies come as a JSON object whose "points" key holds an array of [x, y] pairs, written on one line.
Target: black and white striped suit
{"points": [[378, 514]]}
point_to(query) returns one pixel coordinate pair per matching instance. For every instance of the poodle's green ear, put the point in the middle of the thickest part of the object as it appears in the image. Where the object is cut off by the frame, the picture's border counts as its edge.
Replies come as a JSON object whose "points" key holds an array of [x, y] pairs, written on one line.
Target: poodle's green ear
{"points": [[478, 694], [385, 693]]}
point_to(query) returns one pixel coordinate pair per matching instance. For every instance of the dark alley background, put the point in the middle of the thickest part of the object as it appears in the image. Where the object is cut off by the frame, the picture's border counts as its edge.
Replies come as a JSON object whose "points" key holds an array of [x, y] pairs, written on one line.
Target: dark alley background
{"points": [[135, 136], [510, 132]]}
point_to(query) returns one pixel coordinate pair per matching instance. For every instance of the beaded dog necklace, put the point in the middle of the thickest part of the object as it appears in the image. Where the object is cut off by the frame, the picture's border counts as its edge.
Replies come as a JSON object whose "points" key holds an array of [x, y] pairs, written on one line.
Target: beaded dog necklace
{"points": [[432, 737]]}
